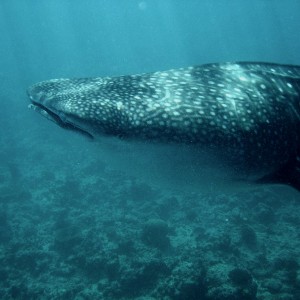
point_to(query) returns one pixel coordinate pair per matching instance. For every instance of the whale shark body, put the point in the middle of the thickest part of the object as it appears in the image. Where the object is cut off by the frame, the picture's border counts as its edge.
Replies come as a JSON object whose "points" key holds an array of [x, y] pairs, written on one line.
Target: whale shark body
{"points": [[244, 116]]}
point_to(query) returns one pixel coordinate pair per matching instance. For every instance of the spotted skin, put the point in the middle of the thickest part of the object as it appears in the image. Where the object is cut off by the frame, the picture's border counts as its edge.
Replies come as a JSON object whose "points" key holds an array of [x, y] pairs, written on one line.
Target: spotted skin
{"points": [[246, 114]]}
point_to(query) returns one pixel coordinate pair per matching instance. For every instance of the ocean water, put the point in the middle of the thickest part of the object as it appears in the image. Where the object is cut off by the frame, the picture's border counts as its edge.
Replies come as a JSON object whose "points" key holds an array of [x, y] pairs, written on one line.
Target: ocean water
{"points": [[80, 223]]}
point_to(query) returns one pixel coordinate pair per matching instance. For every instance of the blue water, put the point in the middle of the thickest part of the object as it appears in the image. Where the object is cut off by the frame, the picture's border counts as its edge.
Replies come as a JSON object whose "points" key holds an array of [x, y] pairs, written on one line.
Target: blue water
{"points": [[72, 226]]}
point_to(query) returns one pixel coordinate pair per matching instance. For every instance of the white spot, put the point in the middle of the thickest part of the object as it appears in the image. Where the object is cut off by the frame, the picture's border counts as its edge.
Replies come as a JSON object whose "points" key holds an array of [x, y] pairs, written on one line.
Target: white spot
{"points": [[289, 85], [163, 74], [263, 86], [120, 105], [242, 78]]}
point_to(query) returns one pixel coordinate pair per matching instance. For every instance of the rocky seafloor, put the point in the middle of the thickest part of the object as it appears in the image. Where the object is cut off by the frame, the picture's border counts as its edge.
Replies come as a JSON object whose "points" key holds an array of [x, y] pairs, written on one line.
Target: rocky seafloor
{"points": [[88, 232]]}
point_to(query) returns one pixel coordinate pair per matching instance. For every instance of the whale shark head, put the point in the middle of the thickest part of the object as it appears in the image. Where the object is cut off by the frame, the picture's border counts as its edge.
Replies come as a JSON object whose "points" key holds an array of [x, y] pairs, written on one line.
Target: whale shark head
{"points": [[74, 104]]}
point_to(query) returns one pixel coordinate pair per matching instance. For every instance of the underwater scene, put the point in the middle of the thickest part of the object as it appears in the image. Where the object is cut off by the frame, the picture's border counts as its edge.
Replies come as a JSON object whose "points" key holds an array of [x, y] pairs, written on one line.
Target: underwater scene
{"points": [[150, 149]]}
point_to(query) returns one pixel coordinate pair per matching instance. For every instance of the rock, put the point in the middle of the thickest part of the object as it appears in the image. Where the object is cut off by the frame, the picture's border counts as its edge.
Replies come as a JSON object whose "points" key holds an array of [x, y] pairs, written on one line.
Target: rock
{"points": [[155, 234]]}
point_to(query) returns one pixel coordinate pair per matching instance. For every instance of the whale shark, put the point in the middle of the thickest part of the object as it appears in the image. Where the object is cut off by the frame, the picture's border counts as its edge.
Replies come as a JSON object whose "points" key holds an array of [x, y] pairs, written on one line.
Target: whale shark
{"points": [[243, 116]]}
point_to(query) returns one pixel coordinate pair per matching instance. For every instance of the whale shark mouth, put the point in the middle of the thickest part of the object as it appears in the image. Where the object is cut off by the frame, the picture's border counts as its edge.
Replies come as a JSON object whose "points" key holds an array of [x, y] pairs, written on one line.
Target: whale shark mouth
{"points": [[59, 119]]}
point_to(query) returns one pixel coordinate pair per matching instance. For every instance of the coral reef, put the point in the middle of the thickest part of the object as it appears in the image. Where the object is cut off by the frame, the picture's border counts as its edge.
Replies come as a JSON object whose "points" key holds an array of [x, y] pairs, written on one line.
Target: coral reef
{"points": [[89, 233]]}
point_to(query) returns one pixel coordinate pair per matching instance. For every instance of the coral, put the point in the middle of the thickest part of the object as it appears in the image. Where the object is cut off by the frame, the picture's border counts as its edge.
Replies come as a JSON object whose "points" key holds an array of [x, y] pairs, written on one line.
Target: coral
{"points": [[155, 234]]}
